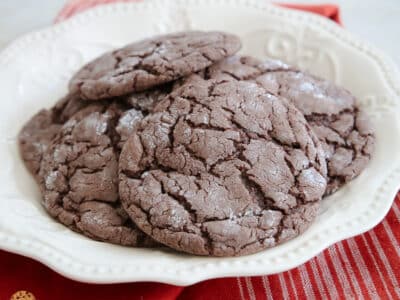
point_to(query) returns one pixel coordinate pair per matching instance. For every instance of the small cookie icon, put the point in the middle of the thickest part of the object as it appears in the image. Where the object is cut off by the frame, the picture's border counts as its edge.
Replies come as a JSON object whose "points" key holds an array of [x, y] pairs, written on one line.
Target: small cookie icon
{"points": [[22, 295]]}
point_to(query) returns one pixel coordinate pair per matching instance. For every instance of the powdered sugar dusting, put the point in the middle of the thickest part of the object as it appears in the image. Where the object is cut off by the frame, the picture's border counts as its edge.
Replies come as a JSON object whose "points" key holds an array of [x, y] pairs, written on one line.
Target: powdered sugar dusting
{"points": [[273, 64], [129, 120], [307, 87], [51, 180]]}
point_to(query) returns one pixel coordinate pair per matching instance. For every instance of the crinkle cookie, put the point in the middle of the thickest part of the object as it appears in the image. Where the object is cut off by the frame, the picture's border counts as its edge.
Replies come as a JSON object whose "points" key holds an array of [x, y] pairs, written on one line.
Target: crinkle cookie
{"points": [[151, 62], [79, 174], [345, 131], [222, 168], [73, 149]]}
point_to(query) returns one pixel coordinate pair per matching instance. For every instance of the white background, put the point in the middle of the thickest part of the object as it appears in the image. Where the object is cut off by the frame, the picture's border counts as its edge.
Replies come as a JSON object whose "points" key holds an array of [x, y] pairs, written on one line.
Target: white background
{"points": [[375, 21]]}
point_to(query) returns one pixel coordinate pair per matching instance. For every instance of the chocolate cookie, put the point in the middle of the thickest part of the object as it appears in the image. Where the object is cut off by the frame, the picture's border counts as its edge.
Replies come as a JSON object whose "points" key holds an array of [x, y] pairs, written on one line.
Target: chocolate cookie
{"points": [[79, 173], [222, 168], [345, 132], [151, 62], [73, 149]]}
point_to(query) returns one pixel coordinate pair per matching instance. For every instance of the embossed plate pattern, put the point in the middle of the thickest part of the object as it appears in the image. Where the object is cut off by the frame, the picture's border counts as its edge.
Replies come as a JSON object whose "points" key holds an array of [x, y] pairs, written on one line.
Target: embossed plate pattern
{"points": [[34, 71]]}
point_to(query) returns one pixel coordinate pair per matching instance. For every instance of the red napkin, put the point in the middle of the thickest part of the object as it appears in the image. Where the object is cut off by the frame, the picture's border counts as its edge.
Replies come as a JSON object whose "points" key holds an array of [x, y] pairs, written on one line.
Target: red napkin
{"points": [[367, 266]]}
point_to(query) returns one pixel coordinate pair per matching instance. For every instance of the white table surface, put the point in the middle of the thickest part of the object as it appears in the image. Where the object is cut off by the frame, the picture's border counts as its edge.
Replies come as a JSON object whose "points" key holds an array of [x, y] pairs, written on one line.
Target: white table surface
{"points": [[375, 21]]}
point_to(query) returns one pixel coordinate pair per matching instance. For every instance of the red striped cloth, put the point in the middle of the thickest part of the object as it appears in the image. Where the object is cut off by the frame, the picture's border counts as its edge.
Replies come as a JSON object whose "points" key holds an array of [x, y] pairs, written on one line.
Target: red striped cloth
{"points": [[364, 267]]}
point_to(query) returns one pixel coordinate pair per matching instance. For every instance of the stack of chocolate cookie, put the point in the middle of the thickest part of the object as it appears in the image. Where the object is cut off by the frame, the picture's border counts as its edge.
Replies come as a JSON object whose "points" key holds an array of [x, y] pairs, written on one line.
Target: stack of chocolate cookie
{"points": [[174, 141]]}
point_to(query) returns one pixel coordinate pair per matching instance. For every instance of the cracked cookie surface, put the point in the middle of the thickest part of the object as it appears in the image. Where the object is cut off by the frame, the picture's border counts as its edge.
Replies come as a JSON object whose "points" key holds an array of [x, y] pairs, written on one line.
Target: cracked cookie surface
{"points": [[344, 131], [151, 62], [222, 168], [72, 149], [78, 174]]}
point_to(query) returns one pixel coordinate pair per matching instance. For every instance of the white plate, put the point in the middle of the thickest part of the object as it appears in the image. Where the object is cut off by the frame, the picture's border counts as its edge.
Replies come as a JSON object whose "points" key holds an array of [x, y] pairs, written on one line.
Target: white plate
{"points": [[34, 71]]}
